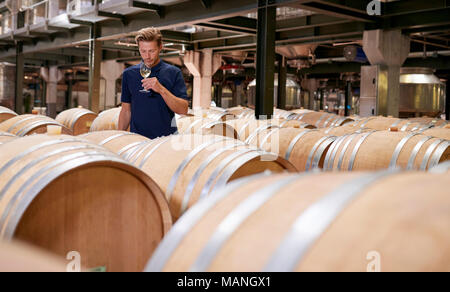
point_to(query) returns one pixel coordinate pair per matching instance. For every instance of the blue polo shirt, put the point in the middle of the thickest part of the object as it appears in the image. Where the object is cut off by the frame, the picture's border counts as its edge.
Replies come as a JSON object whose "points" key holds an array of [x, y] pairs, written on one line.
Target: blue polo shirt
{"points": [[150, 115]]}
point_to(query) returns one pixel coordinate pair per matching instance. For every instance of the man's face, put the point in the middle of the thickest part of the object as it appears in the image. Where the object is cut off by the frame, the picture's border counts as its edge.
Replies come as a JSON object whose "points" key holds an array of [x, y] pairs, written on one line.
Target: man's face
{"points": [[150, 52]]}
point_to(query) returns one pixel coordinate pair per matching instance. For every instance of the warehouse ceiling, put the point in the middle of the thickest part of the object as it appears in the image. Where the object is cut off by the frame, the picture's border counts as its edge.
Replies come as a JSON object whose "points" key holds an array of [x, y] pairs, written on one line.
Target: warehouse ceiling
{"points": [[311, 34]]}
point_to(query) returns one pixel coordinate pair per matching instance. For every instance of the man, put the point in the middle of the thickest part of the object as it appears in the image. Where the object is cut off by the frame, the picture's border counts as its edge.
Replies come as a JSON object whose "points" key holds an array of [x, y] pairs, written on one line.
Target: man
{"points": [[151, 114]]}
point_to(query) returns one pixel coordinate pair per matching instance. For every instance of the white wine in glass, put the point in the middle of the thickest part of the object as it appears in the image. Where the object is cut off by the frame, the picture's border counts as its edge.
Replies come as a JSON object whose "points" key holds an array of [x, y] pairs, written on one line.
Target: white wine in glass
{"points": [[145, 73]]}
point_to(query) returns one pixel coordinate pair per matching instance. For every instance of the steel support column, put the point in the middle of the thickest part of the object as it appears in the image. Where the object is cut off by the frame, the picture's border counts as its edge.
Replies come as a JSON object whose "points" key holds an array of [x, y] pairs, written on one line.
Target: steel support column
{"points": [[447, 102], [265, 63], [282, 78], [219, 89], [348, 97], [95, 59], [69, 93], [19, 79]]}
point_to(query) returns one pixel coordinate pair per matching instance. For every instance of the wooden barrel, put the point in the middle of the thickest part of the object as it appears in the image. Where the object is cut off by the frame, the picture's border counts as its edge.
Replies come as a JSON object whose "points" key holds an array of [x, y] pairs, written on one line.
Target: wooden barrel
{"points": [[25, 125], [430, 121], [119, 142], [315, 222], [247, 114], [107, 120], [441, 168], [443, 133], [79, 120], [239, 111], [217, 108], [190, 167], [305, 149], [384, 123], [247, 129], [6, 114], [322, 119], [220, 115], [185, 124], [343, 130], [282, 114], [19, 257], [5, 137], [213, 114], [205, 126], [286, 123], [64, 194], [301, 111], [377, 150]]}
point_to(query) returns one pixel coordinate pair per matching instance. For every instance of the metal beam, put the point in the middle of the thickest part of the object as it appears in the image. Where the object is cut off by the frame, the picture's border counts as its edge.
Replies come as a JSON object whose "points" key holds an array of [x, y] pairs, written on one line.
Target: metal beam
{"points": [[233, 43], [79, 22], [206, 3], [314, 34], [351, 5], [176, 36], [418, 20], [396, 8], [226, 28], [265, 61], [427, 30], [186, 13], [327, 8], [79, 37], [158, 9], [238, 22], [117, 16], [439, 63], [308, 21], [350, 28], [332, 67], [213, 35]]}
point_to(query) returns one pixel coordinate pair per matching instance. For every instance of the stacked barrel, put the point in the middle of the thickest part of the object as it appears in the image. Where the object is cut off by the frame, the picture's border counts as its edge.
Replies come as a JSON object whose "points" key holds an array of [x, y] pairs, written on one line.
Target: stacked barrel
{"points": [[191, 166], [377, 143], [26, 125], [206, 126], [6, 114], [78, 120], [315, 182], [382, 221], [106, 120], [63, 194]]}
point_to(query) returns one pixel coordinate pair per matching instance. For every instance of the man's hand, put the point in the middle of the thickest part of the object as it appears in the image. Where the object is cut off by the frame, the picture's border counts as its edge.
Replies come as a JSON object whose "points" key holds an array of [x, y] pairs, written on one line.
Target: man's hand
{"points": [[153, 84], [176, 104]]}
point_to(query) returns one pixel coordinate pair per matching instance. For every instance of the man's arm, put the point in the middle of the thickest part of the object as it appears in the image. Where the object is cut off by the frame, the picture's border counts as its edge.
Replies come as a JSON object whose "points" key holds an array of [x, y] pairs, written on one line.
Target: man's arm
{"points": [[177, 105], [125, 117]]}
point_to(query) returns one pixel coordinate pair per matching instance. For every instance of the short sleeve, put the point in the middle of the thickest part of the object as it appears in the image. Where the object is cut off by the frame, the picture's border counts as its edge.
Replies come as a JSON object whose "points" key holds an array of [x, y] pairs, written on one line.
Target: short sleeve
{"points": [[179, 87], [126, 94]]}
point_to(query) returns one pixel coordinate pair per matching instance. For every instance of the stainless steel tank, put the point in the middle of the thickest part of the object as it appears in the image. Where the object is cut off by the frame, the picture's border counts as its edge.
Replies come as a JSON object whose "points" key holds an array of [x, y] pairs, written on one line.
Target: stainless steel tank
{"points": [[421, 93], [293, 92]]}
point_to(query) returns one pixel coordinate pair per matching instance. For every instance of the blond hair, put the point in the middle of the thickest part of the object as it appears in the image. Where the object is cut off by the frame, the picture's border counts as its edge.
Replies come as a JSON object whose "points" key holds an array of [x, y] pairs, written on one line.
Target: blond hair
{"points": [[150, 34]]}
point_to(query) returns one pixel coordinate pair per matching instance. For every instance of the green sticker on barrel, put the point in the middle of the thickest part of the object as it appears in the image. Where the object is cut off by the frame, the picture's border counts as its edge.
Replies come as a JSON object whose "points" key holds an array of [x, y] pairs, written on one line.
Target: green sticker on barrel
{"points": [[98, 270]]}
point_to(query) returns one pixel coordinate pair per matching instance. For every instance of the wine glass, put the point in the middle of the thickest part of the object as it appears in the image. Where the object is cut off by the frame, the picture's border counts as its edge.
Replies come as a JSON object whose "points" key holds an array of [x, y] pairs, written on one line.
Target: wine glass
{"points": [[145, 73]]}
